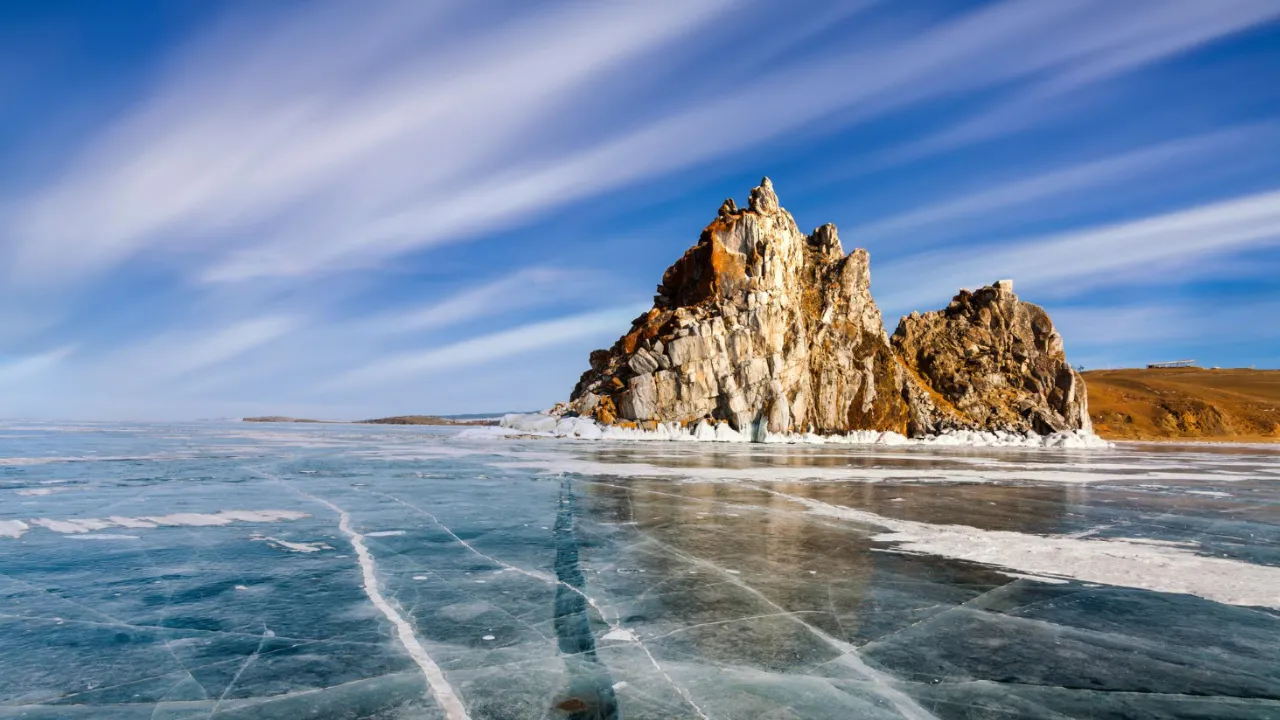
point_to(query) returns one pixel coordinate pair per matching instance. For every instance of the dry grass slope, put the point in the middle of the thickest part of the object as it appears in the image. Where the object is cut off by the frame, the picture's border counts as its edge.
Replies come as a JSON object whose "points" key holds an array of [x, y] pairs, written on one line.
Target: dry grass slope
{"points": [[1185, 404]]}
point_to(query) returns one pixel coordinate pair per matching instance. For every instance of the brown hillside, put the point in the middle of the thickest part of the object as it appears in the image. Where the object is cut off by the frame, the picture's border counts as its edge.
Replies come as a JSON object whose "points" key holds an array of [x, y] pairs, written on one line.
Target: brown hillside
{"points": [[1185, 404]]}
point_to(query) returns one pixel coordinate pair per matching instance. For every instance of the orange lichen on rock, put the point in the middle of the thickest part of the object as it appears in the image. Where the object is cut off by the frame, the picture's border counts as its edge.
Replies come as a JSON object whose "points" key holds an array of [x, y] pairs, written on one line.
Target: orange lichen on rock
{"points": [[605, 412]]}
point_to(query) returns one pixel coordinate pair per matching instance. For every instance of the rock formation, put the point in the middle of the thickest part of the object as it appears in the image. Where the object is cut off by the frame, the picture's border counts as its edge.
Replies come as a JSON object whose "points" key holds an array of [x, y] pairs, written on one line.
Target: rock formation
{"points": [[997, 361], [766, 328]]}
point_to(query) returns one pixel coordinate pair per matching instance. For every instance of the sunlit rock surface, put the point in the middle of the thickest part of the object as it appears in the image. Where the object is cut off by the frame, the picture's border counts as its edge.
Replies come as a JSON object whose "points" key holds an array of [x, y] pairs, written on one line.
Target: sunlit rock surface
{"points": [[371, 572], [770, 330], [997, 360]]}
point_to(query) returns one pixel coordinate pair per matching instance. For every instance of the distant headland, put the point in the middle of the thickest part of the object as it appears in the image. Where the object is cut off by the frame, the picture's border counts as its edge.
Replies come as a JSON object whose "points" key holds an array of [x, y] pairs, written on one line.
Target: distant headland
{"points": [[1186, 404], [465, 420]]}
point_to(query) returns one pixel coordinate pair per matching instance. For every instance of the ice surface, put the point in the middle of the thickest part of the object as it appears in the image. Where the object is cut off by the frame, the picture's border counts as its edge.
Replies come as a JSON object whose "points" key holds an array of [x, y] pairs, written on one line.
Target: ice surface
{"points": [[224, 571]]}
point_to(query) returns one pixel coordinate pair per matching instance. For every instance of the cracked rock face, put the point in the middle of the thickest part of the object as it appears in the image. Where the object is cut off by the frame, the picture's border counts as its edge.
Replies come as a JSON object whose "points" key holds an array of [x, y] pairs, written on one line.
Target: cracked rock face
{"points": [[996, 360], [767, 328]]}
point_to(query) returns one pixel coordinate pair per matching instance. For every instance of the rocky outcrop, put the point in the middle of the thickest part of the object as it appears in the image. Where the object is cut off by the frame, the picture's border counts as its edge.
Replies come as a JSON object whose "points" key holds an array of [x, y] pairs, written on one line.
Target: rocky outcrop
{"points": [[996, 360], [769, 329]]}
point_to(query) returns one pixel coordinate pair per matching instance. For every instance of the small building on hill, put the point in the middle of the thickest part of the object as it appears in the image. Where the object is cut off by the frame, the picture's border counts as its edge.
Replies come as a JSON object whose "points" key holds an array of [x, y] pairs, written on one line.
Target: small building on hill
{"points": [[1171, 364]]}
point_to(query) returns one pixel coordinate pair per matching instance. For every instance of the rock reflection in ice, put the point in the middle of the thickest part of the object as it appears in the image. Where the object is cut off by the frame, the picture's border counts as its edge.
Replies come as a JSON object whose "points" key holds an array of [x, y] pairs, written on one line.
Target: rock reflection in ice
{"points": [[376, 572]]}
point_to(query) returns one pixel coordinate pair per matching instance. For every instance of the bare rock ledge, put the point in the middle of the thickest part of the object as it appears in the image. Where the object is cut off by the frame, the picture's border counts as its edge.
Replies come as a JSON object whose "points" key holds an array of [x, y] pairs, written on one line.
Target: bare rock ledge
{"points": [[766, 328]]}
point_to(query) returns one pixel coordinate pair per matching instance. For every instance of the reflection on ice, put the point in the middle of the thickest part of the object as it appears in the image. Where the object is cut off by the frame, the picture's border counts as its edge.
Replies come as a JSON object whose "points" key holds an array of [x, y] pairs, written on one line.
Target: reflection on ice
{"points": [[379, 572]]}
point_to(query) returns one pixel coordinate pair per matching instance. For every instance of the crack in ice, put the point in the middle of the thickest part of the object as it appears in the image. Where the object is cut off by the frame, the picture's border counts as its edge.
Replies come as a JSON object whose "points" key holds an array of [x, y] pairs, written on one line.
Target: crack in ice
{"points": [[439, 686], [537, 575], [614, 625], [266, 634], [901, 702]]}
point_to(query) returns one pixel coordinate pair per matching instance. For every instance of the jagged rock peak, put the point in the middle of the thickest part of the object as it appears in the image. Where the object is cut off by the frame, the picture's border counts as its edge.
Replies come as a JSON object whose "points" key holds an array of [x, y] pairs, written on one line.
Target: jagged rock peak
{"points": [[757, 325], [763, 199], [765, 328]]}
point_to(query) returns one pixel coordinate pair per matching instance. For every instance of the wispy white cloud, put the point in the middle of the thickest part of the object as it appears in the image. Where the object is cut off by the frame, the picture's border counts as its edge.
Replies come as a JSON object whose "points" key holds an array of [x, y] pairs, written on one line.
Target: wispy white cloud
{"points": [[330, 170], [1150, 163], [1136, 252], [229, 343], [164, 357], [491, 347], [235, 360], [18, 369], [523, 289], [1128, 37], [278, 131], [1128, 333]]}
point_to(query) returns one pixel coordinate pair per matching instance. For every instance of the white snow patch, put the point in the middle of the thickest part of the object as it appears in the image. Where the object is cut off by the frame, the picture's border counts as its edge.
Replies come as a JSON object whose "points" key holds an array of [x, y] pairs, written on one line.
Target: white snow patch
{"points": [[40, 491], [619, 633], [224, 517], [82, 525], [131, 522], [13, 528], [79, 526], [105, 536], [1210, 493], [190, 519], [299, 547], [587, 429], [385, 533]]}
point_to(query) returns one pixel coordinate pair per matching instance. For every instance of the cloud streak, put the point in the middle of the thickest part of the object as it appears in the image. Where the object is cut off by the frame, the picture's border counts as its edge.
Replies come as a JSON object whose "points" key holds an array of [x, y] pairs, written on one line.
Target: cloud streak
{"points": [[1148, 163], [24, 368], [1149, 323], [525, 288], [491, 347], [313, 143], [162, 359], [1131, 37], [1068, 264], [326, 170]]}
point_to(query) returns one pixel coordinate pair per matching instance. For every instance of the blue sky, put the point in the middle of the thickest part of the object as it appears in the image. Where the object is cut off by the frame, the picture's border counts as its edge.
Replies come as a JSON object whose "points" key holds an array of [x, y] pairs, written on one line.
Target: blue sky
{"points": [[347, 210]]}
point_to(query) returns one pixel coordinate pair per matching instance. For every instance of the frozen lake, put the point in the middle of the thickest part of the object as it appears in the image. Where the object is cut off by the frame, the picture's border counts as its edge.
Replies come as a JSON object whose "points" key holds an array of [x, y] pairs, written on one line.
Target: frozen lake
{"points": [[234, 570]]}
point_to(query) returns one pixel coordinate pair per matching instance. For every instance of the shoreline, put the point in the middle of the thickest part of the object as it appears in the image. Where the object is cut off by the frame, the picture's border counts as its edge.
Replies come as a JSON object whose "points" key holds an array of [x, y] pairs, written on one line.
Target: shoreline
{"points": [[1263, 444]]}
